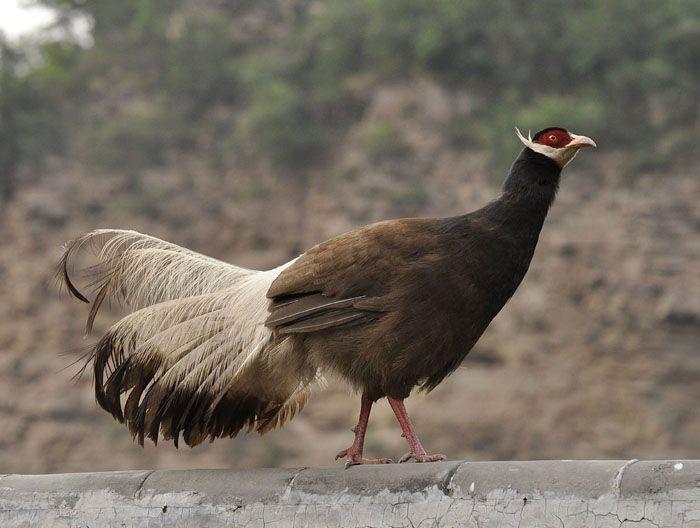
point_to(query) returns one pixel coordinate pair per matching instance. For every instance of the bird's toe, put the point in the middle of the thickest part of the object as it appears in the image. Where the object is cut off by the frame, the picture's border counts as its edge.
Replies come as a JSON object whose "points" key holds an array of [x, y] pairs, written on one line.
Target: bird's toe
{"points": [[430, 458], [358, 460], [422, 457]]}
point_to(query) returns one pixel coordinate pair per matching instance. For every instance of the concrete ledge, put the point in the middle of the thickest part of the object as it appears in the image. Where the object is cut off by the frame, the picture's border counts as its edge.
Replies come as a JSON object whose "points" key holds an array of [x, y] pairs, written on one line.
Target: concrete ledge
{"points": [[500, 494]]}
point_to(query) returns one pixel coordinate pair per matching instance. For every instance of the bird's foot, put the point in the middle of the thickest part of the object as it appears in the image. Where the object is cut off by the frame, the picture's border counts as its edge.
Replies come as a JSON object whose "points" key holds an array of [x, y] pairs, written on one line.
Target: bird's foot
{"points": [[356, 459], [421, 457]]}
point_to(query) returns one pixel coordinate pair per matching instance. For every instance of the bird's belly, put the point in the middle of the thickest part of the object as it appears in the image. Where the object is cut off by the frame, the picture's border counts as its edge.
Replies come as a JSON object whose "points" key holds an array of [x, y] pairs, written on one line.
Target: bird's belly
{"points": [[393, 354]]}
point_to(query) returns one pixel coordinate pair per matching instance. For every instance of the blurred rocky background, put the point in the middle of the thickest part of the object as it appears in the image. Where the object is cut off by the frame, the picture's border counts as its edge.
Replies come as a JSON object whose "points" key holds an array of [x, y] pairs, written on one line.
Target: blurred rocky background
{"points": [[250, 130]]}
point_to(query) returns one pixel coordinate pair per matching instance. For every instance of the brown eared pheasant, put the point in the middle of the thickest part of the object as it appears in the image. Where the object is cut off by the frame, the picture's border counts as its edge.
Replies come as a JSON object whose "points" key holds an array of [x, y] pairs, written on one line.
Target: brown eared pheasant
{"points": [[210, 348]]}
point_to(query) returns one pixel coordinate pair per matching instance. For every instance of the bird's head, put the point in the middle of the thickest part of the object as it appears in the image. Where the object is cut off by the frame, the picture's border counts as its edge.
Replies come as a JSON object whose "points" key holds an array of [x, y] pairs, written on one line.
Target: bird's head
{"points": [[557, 143]]}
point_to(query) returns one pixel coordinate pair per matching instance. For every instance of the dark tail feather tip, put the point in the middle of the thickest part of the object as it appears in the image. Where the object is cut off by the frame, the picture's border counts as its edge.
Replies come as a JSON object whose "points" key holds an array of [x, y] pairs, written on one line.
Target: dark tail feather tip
{"points": [[69, 284]]}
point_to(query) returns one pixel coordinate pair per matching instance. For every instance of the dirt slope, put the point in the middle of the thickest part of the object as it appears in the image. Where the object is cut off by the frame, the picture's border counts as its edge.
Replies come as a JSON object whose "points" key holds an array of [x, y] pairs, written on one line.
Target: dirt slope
{"points": [[597, 355]]}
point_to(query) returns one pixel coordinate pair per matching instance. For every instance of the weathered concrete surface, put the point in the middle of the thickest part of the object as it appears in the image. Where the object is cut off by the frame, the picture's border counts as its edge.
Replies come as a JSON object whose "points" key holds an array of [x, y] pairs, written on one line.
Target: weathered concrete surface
{"points": [[476, 494]]}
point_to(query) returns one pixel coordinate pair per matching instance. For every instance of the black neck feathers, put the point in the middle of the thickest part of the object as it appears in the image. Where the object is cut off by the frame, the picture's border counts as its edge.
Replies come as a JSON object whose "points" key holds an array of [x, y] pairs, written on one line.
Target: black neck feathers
{"points": [[533, 173], [528, 193]]}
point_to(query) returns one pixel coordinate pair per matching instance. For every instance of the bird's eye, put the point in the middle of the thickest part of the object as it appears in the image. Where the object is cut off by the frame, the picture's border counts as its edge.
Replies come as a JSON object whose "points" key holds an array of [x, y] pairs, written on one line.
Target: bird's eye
{"points": [[552, 137]]}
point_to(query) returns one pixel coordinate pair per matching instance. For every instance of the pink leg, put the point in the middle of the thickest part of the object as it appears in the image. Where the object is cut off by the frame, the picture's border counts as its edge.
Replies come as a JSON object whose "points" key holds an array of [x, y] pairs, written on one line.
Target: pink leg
{"points": [[354, 452], [417, 451]]}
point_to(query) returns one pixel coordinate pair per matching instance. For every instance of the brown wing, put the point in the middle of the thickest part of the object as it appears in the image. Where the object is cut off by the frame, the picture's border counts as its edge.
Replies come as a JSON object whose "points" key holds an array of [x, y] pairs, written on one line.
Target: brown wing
{"points": [[313, 312], [346, 280]]}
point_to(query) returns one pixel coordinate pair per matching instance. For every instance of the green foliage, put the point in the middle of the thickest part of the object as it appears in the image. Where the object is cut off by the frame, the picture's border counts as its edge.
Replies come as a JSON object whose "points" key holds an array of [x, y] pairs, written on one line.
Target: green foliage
{"points": [[176, 75], [202, 66], [32, 106], [384, 140], [132, 140], [278, 126]]}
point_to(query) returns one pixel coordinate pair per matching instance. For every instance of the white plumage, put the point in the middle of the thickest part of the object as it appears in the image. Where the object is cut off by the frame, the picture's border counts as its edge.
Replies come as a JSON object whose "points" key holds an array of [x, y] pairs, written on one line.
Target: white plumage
{"points": [[189, 357]]}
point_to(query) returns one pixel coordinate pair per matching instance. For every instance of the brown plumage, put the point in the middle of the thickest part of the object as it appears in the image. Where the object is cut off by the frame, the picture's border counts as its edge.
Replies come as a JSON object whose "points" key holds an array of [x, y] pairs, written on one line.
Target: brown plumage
{"points": [[212, 348]]}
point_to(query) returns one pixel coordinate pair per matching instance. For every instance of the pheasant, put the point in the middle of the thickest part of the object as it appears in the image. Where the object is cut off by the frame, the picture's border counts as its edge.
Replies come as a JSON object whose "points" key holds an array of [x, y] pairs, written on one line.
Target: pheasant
{"points": [[210, 348]]}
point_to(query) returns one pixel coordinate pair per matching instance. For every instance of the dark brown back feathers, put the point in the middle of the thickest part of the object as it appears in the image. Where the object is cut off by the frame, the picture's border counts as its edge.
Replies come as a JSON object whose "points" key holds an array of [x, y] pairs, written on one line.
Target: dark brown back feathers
{"points": [[400, 303]]}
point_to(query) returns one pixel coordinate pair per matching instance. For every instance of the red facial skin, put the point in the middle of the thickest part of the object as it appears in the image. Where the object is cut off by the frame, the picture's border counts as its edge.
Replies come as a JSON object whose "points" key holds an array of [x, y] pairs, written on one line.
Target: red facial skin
{"points": [[556, 138]]}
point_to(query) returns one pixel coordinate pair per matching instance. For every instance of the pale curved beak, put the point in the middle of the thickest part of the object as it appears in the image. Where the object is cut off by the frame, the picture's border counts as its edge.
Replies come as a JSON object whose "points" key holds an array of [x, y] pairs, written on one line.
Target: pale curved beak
{"points": [[581, 141]]}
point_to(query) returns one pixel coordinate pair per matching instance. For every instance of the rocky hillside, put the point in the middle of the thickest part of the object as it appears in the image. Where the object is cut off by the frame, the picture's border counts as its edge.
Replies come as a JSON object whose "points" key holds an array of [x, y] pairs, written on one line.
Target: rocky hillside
{"points": [[596, 356]]}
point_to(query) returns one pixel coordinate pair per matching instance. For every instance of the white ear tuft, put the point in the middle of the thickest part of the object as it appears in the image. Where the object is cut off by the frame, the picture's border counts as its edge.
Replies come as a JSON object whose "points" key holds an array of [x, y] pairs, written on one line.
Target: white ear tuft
{"points": [[522, 138]]}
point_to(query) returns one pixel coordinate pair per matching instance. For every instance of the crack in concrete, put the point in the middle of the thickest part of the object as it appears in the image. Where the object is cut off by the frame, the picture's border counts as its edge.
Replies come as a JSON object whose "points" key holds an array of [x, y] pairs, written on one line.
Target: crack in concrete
{"points": [[623, 521], [288, 490], [446, 484], [617, 481], [560, 520], [137, 493], [626, 519], [520, 519]]}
